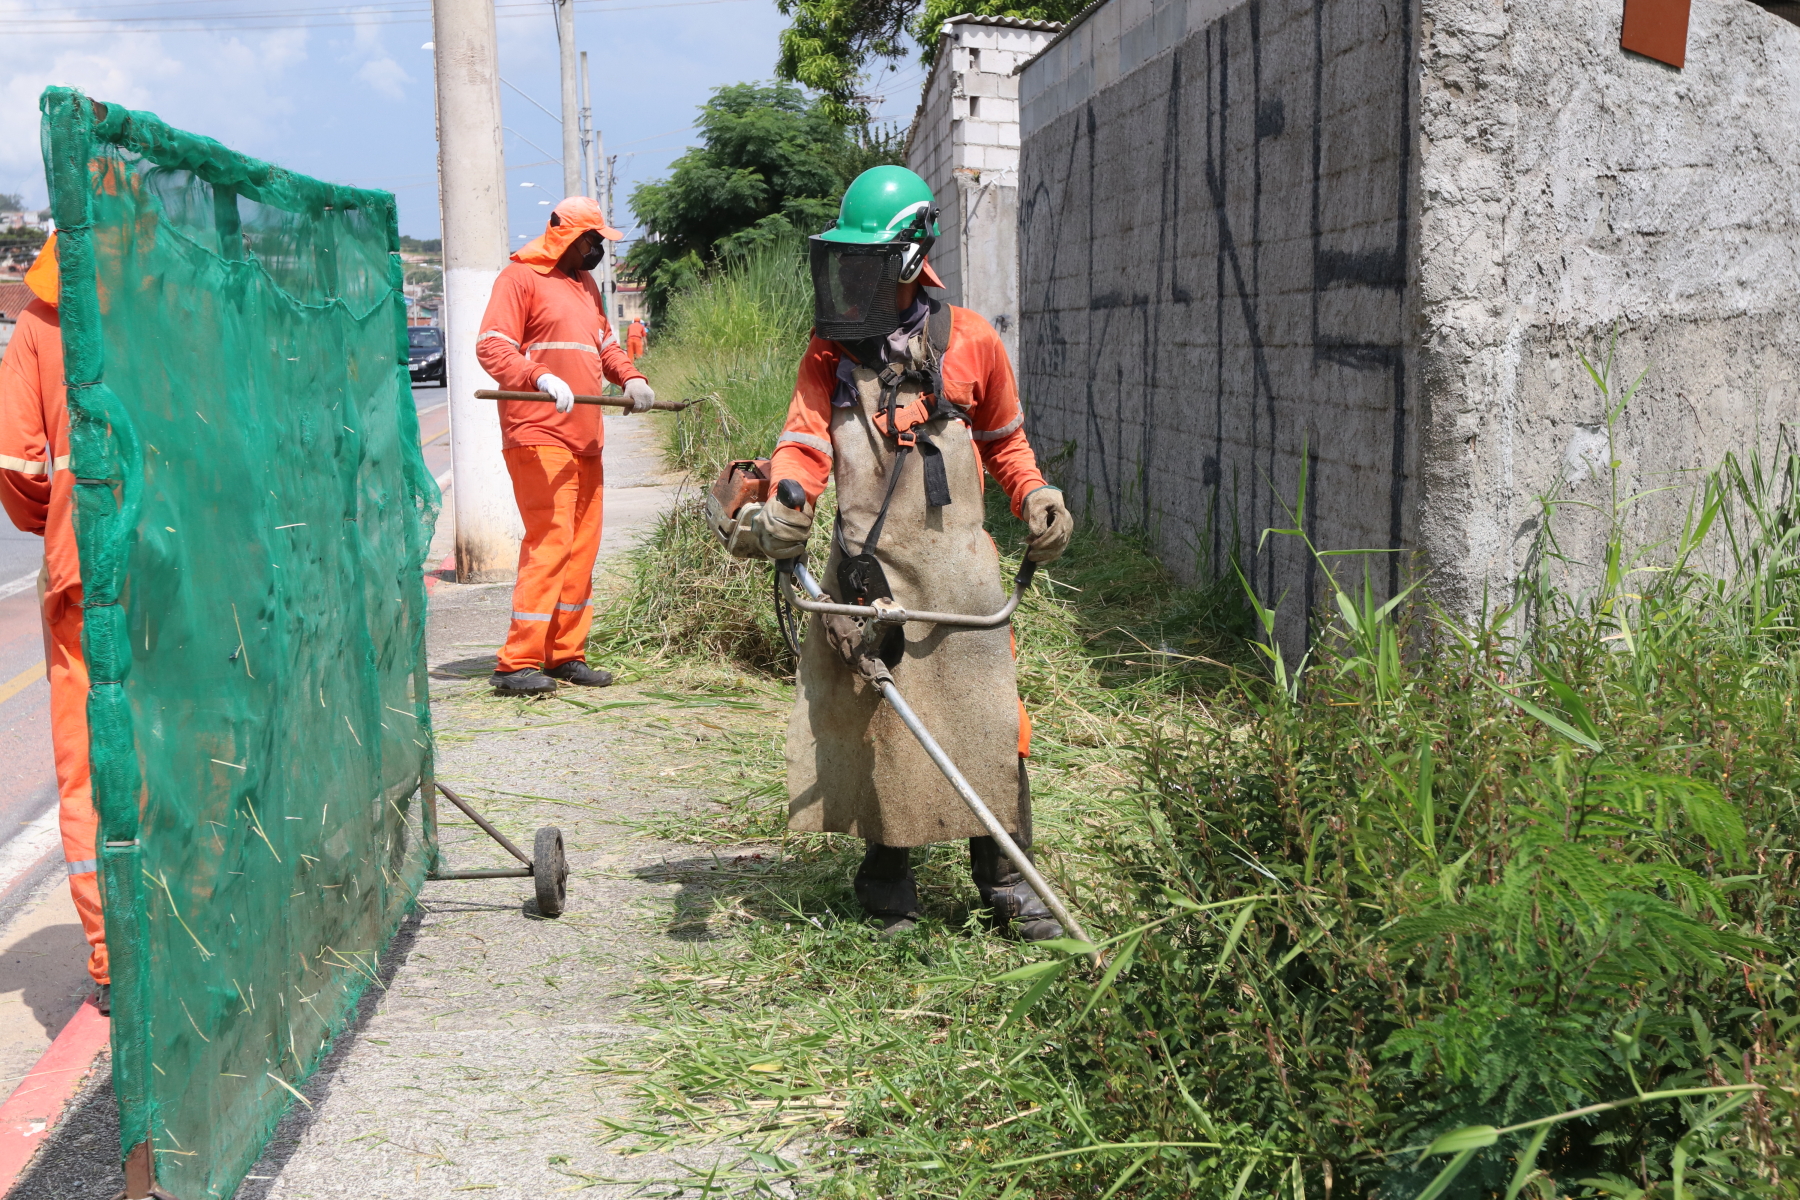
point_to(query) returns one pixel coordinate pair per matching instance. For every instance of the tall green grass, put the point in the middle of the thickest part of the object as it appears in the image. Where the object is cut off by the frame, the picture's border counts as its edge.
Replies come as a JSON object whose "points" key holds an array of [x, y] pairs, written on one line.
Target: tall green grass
{"points": [[736, 340], [1501, 906]]}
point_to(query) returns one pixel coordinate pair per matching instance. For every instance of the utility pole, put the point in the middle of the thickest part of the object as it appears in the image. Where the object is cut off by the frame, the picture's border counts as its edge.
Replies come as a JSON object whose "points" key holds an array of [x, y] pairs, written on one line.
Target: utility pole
{"points": [[472, 199], [571, 122], [595, 186]]}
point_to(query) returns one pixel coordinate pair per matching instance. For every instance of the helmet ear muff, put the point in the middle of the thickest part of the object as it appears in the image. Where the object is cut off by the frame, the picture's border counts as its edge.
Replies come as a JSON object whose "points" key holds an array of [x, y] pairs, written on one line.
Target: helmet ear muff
{"points": [[912, 262], [922, 239]]}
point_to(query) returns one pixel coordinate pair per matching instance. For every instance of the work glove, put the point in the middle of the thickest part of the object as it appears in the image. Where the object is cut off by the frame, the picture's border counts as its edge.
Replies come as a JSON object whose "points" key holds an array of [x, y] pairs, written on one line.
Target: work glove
{"points": [[1051, 526], [739, 532], [550, 385], [850, 637], [639, 393], [781, 532]]}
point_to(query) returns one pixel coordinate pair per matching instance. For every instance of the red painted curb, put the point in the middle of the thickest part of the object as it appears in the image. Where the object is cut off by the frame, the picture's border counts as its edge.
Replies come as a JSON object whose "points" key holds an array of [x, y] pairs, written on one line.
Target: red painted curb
{"points": [[31, 1112], [431, 577]]}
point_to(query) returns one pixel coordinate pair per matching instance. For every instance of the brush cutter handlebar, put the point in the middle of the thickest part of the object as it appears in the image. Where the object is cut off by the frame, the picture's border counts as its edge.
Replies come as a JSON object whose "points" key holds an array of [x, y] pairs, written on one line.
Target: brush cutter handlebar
{"points": [[893, 614]]}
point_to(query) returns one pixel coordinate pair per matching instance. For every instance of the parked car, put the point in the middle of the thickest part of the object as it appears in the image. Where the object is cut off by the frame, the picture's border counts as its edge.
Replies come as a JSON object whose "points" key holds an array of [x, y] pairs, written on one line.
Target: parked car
{"points": [[425, 354]]}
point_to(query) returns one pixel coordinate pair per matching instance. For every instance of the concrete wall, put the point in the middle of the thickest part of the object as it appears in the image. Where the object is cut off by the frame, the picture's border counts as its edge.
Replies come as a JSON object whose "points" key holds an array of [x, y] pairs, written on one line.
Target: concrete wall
{"points": [[1568, 188], [1369, 238], [965, 143], [1214, 219]]}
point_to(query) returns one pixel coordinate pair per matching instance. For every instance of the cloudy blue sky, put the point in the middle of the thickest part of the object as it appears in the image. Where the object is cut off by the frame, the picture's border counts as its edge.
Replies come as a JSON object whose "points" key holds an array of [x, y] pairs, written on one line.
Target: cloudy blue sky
{"points": [[344, 92]]}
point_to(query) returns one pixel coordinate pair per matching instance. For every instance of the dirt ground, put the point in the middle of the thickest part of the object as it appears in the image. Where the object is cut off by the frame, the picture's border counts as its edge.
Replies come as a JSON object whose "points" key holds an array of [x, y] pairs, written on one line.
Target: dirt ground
{"points": [[465, 1071]]}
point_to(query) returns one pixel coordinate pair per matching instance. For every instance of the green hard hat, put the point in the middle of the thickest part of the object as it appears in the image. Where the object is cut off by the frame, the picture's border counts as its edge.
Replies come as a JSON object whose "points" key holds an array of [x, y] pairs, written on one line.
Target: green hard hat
{"points": [[879, 205]]}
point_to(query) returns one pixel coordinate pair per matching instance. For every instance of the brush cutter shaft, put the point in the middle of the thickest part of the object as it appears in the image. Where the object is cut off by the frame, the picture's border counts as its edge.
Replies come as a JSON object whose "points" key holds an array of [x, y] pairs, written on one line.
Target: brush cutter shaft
{"points": [[995, 830], [604, 401], [900, 616]]}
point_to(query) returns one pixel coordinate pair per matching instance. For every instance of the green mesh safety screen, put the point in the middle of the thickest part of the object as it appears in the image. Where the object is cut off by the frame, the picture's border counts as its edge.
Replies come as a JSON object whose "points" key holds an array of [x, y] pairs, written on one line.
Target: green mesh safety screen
{"points": [[253, 514]]}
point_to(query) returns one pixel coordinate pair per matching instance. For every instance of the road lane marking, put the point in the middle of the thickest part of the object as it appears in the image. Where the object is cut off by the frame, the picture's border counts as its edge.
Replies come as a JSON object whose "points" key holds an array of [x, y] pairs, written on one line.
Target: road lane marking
{"points": [[18, 585], [28, 847], [21, 681]]}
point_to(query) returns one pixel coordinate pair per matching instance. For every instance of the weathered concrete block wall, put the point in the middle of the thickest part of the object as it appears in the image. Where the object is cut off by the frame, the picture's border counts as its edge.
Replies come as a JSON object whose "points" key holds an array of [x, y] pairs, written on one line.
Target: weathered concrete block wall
{"points": [[1368, 239], [965, 143], [1214, 218], [1567, 189]]}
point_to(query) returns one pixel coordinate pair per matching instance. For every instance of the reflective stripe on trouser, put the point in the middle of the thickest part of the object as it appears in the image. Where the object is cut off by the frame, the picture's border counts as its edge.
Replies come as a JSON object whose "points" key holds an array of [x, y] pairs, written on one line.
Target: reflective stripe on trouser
{"points": [[559, 497], [69, 739]]}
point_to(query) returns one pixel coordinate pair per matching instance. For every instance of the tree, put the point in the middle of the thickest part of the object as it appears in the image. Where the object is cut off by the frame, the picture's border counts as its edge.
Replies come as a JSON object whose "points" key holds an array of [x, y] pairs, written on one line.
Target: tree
{"points": [[831, 43], [12, 202], [771, 167]]}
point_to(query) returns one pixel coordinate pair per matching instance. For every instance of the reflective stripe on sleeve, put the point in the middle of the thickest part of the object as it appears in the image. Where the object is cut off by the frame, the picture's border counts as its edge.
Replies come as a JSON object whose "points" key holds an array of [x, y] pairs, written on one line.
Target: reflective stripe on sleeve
{"points": [[25, 466], [810, 441], [611, 339], [495, 333], [62, 462], [519, 616], [86, 866], [989, 435], [536, 346], [561, 607]]}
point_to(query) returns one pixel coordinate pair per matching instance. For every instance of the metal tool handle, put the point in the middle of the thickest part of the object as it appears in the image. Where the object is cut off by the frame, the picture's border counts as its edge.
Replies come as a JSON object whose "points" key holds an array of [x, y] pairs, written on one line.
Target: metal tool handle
{"points": [[604, 401], [985, 815], [794, 569]]}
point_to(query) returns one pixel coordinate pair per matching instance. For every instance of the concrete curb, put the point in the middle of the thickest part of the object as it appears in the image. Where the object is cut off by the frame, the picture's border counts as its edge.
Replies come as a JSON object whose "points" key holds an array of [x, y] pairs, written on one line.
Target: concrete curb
{"points": [[31, 1112]]}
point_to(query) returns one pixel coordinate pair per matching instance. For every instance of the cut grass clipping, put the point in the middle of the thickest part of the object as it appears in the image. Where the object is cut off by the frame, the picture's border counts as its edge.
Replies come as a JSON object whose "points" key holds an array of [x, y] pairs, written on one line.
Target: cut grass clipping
{"points": [[1499, 907]]}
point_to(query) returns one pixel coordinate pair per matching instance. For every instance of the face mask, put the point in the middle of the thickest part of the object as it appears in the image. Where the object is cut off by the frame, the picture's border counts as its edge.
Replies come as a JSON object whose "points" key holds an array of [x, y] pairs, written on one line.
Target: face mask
{"points": [[592, 258]]}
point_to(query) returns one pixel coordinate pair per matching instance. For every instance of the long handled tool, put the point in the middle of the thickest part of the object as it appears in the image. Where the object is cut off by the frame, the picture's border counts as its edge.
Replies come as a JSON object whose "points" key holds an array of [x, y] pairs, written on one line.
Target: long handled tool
{"points": [[605, 401], [787, 572]]}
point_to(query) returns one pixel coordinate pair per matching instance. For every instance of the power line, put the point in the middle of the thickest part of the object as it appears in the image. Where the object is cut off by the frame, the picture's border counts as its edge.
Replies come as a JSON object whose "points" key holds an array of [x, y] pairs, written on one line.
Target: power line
{"points": [[254, 22]]}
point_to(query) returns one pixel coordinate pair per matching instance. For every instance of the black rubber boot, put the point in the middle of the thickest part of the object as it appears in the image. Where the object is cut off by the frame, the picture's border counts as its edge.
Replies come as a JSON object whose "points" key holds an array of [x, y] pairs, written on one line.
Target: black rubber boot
{"points": [[103, 998], [886, 889], [579, 673], [1014, 903], [526, 681]]}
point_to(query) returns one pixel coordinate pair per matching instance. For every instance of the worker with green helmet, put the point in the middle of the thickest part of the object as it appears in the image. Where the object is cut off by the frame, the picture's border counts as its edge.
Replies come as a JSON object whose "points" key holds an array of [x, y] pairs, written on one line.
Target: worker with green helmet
{"points": [[909, 403]]}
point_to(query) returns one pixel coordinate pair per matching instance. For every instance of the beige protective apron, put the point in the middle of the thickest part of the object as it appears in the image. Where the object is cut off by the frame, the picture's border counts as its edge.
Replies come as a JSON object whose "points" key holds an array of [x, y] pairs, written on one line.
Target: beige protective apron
{"points": [[852, 766]]}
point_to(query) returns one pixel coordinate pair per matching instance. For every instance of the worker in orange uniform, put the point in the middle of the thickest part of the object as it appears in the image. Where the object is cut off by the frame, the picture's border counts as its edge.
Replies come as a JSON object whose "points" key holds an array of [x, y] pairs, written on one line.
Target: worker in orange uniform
{"points": [[546, 330], [909, 402], [635, 336], [37, 489]]}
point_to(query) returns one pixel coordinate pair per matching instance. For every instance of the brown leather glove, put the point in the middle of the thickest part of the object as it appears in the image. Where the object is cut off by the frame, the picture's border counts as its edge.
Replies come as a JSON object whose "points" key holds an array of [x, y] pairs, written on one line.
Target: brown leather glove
{"points": [[1051, 526], [849, 637]]}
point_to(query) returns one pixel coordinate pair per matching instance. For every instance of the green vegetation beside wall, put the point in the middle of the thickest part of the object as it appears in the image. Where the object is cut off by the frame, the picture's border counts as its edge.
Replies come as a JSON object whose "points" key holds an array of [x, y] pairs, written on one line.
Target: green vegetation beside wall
{"points": [[1500, 907]]}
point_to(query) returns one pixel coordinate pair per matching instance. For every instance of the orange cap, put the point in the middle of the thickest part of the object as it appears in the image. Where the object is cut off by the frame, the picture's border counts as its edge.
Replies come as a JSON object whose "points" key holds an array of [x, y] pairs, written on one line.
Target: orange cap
{"points": [[41, 278], [568, 221]]}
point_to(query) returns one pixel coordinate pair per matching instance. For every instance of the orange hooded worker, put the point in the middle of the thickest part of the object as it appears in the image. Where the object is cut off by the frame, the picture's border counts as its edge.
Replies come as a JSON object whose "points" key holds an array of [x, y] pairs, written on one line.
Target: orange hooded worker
{"points": [[634, 338], [37, 489], [546, 330]]}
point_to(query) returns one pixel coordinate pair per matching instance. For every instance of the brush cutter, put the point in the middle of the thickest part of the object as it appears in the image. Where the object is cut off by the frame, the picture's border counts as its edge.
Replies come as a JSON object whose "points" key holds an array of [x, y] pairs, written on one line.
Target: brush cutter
{"points": [[893, 616]]}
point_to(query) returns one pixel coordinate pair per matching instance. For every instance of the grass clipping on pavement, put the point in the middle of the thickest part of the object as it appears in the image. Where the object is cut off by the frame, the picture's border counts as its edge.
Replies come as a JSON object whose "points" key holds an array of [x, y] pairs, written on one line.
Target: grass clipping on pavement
{"points": [[1501, 907]]}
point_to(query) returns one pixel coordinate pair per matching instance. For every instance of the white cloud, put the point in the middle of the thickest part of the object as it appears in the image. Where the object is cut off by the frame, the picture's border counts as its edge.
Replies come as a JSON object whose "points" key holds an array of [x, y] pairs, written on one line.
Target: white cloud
{"points": [[385, 76]]}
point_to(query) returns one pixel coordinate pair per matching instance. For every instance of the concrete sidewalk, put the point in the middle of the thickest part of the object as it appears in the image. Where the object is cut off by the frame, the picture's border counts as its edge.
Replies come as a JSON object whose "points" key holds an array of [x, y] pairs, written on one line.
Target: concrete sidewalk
{"points": [[464, 1072]]}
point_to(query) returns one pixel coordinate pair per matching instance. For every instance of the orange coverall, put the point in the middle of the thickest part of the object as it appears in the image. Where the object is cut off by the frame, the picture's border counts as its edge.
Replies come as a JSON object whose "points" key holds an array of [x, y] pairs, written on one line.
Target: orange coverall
{"points": [[539, 321], [37, 490], [634, 339], [978, 378]]}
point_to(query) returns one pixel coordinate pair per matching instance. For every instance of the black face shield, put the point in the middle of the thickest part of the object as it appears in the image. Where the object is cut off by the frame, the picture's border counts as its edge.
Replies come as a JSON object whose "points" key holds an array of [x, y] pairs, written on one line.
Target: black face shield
{"points": [[853, 288]]}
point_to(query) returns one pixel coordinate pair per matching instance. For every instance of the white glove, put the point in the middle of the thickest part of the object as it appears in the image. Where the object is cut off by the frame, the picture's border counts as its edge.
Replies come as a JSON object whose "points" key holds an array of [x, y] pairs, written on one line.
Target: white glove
{"points": [[639, 393], [552, 386]]}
